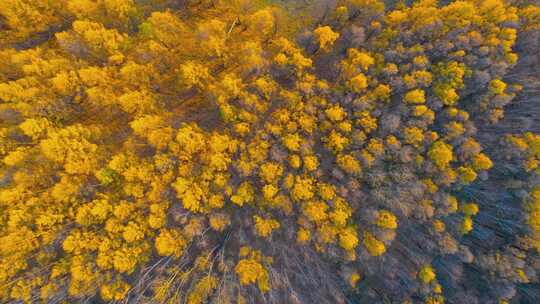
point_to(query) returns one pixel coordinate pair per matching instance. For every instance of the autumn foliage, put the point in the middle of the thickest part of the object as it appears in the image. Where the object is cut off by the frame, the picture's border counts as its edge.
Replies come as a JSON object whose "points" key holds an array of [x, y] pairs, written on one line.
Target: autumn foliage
{"points": [[228, 151]]}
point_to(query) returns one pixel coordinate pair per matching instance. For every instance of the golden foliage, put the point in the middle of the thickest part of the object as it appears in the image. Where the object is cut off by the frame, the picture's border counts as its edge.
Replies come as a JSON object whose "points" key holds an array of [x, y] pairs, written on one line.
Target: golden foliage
{"points": [[132, 129], [264, 226], [441, 154], [426, 274], [325, 36], [170, 243], [373, 246]]}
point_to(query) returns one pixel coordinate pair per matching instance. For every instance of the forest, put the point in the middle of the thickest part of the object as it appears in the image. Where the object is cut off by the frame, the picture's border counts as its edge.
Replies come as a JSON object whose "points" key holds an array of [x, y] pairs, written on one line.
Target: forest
{"points": [[259, 151]]}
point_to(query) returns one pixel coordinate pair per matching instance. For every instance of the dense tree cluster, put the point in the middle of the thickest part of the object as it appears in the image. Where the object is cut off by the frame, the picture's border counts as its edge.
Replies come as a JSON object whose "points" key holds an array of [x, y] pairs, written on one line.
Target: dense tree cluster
{"points": [[224, 151]]}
